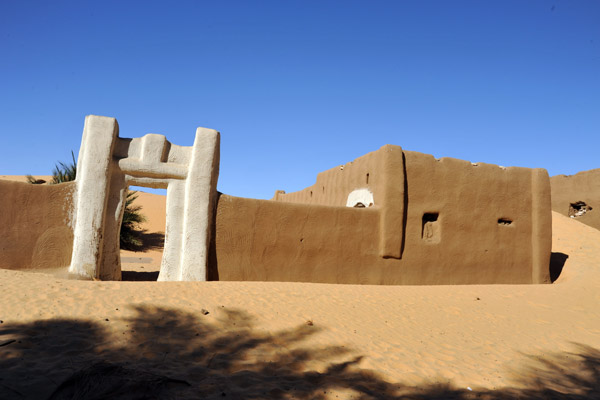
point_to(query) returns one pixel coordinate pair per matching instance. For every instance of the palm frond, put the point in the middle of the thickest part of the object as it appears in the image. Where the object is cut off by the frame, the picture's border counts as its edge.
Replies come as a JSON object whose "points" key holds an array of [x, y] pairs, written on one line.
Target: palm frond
{"points": [[64, 172], [130, 227]]}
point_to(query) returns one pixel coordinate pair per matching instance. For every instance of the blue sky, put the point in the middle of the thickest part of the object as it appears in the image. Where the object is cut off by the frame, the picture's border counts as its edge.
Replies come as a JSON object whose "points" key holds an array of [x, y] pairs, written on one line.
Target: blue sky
{"points": [[298, 87]]}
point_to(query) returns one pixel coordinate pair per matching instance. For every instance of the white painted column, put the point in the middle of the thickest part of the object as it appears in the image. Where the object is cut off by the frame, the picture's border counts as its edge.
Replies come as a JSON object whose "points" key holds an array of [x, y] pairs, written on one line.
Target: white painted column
{"points": [[173, 246], [110, 258], [92, 185], [190, 213], [200, 199]]}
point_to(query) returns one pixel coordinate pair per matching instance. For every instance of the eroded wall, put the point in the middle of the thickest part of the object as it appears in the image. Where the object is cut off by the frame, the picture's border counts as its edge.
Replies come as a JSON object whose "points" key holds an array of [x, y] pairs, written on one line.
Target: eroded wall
{"points": [[34, 225], [582, 187], [462, 224]]}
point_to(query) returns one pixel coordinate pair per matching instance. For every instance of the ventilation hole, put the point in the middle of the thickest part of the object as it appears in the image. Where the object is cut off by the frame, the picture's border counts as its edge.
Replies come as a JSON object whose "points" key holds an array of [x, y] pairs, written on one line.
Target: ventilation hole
{"points": [[578, 209], [301, 240], [430, 229], [367, 179], [504, 221], [311, 193], [323, 189], [359, 205]]}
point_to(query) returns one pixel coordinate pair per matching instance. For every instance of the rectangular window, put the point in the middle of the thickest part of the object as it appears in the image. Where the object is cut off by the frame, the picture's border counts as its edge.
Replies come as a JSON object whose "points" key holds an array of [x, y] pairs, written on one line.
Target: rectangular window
{"points": [[430, 230]]}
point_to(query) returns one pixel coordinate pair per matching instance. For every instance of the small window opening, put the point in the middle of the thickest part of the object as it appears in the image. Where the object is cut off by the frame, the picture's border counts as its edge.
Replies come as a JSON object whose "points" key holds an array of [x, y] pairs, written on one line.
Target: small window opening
{"points": [[311, 193], [430, 229], [578, 209], [504, 221], [367, 179]]}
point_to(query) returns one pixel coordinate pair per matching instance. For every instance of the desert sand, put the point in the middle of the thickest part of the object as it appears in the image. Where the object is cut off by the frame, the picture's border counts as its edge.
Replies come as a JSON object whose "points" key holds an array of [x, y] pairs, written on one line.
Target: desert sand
{"points": [[63, 338]]}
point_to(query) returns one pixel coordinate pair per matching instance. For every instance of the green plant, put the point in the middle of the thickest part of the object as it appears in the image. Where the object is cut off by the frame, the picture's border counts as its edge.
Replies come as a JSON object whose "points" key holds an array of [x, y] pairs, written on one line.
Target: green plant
{"points": [[61, 173], [130, 227], [130, 235], [65, 172]]}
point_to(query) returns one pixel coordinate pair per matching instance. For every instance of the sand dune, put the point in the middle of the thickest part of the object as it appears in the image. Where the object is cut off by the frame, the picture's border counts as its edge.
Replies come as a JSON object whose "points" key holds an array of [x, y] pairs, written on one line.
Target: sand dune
{"points": [[297, 340]]}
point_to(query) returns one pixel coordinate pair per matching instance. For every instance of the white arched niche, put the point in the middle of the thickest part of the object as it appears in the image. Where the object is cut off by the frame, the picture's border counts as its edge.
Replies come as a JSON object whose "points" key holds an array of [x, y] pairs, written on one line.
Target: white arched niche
{"points": [[360, 198]]}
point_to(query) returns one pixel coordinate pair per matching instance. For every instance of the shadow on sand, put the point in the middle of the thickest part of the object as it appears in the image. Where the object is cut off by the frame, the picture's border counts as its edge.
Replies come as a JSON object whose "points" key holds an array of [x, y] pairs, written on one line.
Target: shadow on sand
{"points": [[147, 241], [167, 354], [139, 276], [557, 262]]}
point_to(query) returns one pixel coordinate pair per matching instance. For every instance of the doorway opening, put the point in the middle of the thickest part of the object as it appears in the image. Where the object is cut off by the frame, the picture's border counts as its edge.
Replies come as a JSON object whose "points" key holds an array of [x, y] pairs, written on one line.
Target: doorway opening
{"points": [[143, 233]]}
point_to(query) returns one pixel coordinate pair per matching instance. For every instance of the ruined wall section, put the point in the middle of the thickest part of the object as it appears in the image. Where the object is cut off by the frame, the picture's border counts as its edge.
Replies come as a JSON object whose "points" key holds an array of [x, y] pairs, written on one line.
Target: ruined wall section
{"points": [[569, 192], [35, 225]]}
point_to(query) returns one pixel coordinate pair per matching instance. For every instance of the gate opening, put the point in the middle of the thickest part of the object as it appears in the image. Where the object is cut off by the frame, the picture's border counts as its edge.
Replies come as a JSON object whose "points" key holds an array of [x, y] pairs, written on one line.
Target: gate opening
{"points": [[142, 234]]}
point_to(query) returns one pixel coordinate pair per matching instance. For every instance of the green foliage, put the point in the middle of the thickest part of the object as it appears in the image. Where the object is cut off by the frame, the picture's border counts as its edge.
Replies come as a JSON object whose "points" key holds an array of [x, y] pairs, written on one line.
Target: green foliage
{"points": [[130, 235], [130, 227], [61, 173], [64, 172]]}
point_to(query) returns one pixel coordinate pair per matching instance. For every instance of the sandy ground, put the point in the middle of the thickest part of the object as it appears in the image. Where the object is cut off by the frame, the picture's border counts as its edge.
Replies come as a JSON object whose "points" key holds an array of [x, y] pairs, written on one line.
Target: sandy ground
{"points": [[257, 340]]}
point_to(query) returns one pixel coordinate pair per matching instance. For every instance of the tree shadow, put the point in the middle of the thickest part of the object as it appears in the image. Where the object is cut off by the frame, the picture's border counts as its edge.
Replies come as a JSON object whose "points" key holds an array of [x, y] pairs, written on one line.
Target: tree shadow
{"points": [[163, 353], [145, 241], [557, 262], [568, 375]]}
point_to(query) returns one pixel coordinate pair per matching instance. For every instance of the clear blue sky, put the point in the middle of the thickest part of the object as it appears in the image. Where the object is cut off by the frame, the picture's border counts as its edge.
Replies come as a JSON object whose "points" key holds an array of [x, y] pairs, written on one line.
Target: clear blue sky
{"points": [[298, 87]]}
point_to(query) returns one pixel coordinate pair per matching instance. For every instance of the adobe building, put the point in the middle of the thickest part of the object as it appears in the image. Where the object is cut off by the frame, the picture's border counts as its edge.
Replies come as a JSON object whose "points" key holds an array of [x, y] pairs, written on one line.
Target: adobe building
{"points": [[578, 196], [391, 217]]}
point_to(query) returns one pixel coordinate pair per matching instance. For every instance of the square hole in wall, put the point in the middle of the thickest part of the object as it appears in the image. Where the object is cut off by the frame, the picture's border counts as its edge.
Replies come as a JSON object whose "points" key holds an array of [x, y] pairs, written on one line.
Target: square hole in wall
{"points": [[430, 229]]}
